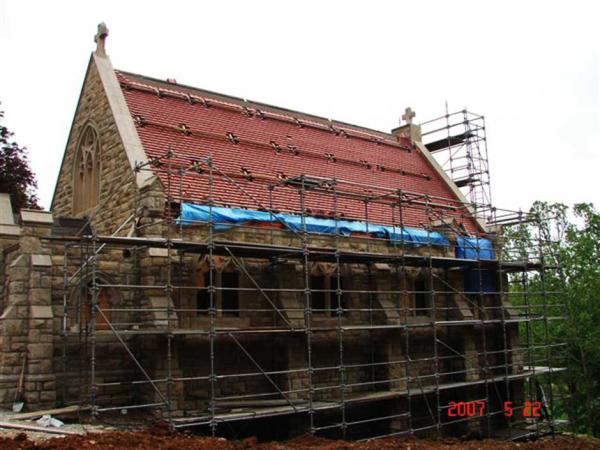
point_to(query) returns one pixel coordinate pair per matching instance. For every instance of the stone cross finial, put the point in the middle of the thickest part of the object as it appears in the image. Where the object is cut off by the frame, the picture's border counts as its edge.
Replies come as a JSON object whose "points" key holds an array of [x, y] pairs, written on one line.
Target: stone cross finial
{"points": [[100, 39], [408, 115]]}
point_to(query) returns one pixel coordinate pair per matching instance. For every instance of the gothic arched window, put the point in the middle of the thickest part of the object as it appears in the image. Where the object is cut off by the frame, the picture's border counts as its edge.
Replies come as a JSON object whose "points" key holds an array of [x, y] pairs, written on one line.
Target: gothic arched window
{"points": [[226, 282], [86, 170]]}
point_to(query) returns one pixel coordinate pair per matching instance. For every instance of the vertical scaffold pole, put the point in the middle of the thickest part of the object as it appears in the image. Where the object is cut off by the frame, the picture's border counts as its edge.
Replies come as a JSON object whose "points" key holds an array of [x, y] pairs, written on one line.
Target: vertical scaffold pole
{"points": [[408, 310], [169, 292], [211, 292], [92, 325], [505, 341], [65, 320], [307, 306], [547, 345], [370, 288], [340, 312], [433, 317], [484, 313], [529, 316]]}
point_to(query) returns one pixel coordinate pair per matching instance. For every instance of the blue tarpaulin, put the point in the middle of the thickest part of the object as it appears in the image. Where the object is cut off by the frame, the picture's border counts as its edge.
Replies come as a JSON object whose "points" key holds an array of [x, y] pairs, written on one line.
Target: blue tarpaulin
{"points": [[225, 218], [474, 248], [477, 248]]}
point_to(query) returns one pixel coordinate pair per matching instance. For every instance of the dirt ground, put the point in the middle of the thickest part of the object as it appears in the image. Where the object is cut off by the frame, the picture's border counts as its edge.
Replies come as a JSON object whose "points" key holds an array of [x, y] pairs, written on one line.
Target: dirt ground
{"points": [[161, 439]]}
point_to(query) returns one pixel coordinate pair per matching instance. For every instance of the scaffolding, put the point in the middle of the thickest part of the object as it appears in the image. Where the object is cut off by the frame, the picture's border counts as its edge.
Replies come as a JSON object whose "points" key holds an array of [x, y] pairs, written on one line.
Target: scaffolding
{"points": [[458, 142], [412, 367]]}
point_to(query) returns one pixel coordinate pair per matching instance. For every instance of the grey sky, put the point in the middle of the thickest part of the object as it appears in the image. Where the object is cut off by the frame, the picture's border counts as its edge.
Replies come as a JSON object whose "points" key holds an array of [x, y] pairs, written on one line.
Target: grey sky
{"points": [[532, 68]]}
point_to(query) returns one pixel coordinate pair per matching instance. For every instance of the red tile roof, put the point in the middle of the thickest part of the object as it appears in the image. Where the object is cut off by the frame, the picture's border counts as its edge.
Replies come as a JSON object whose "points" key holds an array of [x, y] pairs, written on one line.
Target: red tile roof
{"points": [[255, 145]]}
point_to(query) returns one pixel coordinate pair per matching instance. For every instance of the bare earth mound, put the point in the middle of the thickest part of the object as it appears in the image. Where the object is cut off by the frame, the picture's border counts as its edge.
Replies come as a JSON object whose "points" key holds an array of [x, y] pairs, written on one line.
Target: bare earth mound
{"points": [[156, 439]]}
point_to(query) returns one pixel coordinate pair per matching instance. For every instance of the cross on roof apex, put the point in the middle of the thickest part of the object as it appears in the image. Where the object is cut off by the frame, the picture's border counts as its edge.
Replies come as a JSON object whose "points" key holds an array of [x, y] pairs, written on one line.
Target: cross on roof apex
{"points": [[408, 115], [100, 39]]}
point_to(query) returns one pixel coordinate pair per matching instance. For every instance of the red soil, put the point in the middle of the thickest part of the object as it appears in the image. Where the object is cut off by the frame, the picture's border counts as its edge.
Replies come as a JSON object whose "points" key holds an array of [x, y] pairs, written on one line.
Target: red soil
{"points": [[155, 439]]}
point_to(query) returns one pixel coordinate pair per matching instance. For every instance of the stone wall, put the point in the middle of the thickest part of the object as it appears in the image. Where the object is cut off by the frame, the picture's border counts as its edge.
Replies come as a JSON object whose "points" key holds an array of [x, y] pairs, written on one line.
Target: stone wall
{"points": [[27, 325], [9, 239], [72, 311], [56, 360], [117, 181], [46, 326], [58, 364]]}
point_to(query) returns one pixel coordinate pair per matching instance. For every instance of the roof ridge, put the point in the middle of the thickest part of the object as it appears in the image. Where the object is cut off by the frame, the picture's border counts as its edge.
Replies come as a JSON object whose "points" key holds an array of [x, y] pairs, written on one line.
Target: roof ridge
{"points": [[318, 122]]}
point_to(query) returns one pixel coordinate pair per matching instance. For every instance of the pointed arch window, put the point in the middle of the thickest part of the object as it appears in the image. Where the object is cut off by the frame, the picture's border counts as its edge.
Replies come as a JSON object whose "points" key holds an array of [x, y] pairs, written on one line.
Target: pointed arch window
{"points": [[226, 282], [324, 294], [422, 298], [86, 170]]}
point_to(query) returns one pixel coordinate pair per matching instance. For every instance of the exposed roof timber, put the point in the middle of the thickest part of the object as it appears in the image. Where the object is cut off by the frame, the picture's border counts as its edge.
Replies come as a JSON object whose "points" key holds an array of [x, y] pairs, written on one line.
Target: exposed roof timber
{"points": [[465, 181], [449, 141]]}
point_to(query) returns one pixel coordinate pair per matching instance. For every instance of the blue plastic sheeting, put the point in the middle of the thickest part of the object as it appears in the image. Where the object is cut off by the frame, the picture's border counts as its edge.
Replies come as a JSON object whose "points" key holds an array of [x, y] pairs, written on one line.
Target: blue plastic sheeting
{"points": [[416, 236], [474, 248], [225, 218], [477, 280]]}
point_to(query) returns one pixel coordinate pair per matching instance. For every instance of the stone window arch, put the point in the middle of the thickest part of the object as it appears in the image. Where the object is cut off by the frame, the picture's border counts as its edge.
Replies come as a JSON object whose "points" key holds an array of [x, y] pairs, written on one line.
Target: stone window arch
{"points": [[86, 170], [226, 282], [323, 286], [421, 290]]}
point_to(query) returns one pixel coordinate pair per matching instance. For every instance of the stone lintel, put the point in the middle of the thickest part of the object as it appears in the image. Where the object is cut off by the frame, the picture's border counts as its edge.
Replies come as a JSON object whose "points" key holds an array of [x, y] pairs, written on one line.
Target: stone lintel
{"points": [[159, 252], [10, 230], [41, 260], [41, 312], [35, 216]]}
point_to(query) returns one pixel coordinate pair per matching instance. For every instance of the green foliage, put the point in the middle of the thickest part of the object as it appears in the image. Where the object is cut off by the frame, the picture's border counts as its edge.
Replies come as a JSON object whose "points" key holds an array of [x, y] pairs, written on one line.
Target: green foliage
{"points": [[567, 241], [16, 177]]}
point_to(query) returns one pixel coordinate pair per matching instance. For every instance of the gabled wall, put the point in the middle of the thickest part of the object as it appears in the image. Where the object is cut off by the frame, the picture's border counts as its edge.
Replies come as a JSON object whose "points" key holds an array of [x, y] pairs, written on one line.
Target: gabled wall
{"points": [[117, 181]]}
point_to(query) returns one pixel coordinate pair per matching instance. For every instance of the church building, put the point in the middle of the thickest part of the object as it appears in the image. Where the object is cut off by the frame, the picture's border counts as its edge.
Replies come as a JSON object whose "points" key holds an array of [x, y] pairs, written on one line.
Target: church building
{"points": [[239, 269]]}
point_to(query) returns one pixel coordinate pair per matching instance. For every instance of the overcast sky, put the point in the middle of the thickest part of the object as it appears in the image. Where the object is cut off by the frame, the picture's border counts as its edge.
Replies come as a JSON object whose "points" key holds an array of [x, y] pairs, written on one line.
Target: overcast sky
{"points": [[532, 68]]}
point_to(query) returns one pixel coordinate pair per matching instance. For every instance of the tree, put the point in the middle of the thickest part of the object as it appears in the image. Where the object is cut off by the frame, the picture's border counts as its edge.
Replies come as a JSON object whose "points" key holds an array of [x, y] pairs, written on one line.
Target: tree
{"points": [[16, 177], [570, 242]]}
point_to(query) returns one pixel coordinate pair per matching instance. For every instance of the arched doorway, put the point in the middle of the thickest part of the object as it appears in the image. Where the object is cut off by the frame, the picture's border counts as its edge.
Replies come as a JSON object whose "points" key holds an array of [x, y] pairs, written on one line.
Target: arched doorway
{"points": [[80, 313]]}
